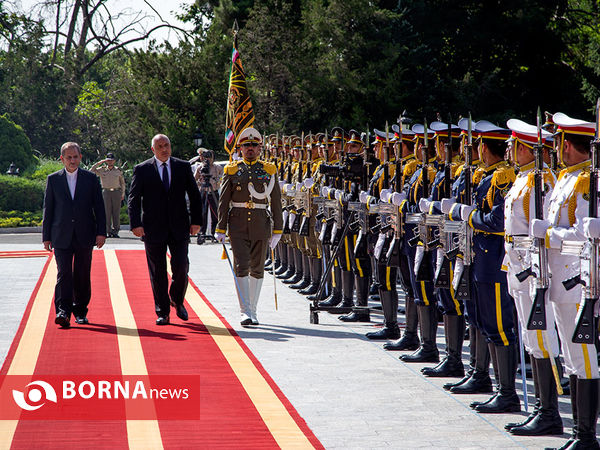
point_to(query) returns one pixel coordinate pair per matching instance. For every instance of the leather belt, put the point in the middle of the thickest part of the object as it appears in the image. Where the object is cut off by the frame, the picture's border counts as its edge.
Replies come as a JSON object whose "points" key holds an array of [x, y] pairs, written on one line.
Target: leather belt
{"points": [[248, 205]]}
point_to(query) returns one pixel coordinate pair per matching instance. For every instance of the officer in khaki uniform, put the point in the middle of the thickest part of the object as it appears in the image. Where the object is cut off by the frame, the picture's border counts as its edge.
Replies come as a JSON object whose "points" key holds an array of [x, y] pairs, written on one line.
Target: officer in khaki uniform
{"points": [[250, 213], [113, 192]]}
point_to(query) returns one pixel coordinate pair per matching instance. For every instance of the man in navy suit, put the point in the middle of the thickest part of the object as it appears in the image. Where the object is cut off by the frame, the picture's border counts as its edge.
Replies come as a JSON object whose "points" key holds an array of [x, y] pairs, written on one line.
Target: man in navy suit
{"points": [[158, 213], [74, 221]]}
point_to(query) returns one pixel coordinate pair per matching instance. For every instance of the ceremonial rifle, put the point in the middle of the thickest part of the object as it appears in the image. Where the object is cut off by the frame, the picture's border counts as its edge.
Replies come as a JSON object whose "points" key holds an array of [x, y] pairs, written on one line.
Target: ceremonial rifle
{"points": [[586, 330], [463, 290], [448, 165]]}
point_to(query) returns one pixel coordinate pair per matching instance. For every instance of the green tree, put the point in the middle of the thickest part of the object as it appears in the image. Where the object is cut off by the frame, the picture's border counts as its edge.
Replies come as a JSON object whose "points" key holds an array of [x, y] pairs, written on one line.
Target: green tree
{"points": [[16, 147]]}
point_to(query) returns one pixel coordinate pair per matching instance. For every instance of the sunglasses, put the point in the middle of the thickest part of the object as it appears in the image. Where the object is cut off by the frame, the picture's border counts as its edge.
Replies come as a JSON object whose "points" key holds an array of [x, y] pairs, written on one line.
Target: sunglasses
{"points": [[250, 144]]}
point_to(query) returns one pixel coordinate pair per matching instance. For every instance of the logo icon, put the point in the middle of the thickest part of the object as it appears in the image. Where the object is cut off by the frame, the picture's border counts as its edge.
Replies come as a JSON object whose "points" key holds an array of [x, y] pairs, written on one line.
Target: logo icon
{"points": [[34, 396]]}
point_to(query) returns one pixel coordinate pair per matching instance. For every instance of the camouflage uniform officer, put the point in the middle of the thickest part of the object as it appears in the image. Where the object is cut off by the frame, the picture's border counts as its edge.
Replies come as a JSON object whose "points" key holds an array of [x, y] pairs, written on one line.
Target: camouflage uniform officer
{"points": [[249, 187]]}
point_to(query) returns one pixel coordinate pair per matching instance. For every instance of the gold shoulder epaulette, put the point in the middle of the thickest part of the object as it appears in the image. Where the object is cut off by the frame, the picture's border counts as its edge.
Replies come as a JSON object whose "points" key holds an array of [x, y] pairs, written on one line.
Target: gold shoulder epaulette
{"points": [[503, 176], [455, 169], [269, 167], [459, 169], [478, 175], [410, 168], [231, 168], [582, 184]]}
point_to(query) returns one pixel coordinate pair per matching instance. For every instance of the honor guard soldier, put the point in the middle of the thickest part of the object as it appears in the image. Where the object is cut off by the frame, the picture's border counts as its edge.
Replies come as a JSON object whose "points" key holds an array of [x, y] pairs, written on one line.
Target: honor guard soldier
{"points": [[386, 275], [446, 140], [332, 150], [406, 165], [355, 258], [519, 209], [250, 213], [494, 309], [419, 262], [567, 215], [477, 379]]}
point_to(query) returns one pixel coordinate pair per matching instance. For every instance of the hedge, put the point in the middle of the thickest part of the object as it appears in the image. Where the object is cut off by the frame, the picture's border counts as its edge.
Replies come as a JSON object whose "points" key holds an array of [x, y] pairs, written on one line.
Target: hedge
{"points": [[20, 194], [13, 219]]}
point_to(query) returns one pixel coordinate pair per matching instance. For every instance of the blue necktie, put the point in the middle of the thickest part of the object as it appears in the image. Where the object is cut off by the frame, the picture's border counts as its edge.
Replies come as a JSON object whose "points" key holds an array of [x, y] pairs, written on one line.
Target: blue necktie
{"points": [[165, 176]]}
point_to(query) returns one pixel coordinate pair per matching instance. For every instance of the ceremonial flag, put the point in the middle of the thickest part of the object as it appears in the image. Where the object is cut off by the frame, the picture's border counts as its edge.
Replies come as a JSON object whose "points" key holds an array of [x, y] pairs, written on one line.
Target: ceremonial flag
{"points": [[240, 114]]}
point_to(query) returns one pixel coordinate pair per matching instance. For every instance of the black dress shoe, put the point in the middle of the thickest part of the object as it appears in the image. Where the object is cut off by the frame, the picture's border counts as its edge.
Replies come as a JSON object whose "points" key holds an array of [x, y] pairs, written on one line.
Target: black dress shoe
{"points": [[181, 312], [81, 320], [410, 341], [422, 354], [387, 332], [501, 404], [247, 321], [449, 367], [63, 320], [162, 320], [116, 235]]}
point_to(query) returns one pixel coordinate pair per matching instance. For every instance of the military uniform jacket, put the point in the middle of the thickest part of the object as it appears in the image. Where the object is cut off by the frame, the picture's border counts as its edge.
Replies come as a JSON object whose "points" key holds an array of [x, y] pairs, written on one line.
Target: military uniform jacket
{"points": [[519, 210], [249, 222], [566, 208], [487, 222]]}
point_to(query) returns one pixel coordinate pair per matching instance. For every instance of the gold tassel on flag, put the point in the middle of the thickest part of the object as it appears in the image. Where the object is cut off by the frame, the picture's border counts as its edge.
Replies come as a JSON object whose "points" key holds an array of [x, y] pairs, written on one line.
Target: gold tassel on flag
{"points": [[240, 114]]}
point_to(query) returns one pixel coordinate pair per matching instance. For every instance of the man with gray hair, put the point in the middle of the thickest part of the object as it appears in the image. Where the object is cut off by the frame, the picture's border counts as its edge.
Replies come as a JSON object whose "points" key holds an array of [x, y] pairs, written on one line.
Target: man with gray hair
{"points": [[159, 214], [74, 221]]}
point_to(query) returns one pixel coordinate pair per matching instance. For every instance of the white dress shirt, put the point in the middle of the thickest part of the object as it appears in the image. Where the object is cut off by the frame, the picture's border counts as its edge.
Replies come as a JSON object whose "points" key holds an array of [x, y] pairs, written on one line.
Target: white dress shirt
{"points": [[72, 181], [159, 164]]}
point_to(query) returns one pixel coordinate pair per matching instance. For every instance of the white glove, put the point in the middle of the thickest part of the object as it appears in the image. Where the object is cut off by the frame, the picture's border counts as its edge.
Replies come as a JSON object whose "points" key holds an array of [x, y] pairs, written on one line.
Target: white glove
{"points": [[362, 197], [397, 198], [447, 204], [281, 184], [379, 246], [325, 191], [285, 215], [591, 227], [439, 261], [338, 194], [385, 195], [309, 182], [292, 219], [424, 205], [220, 237], [298, 185], [465, 211], [419, 254], [274, 240], [538, 228], [459, 268]]}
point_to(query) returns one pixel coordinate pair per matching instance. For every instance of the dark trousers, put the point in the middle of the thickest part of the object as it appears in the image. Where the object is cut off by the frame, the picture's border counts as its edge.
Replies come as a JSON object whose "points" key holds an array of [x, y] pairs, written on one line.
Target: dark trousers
{"points": [[73, 287], [156, 256], [209, 200]]}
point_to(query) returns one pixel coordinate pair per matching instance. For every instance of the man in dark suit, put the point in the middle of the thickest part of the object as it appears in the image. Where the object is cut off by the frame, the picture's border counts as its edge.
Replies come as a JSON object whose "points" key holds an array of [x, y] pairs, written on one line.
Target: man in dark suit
{"points": [[74, 220], [158, 213]]}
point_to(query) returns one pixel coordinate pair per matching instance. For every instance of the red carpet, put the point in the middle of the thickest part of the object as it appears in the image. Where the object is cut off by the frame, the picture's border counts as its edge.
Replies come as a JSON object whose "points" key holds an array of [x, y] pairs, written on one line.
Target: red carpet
{"points": [[24, 254], [229, 417]]}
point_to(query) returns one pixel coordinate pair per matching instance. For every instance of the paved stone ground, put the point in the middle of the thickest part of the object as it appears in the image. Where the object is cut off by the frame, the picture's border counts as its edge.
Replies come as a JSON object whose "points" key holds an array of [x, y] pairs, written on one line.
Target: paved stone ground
{"points": [[352, 393]]}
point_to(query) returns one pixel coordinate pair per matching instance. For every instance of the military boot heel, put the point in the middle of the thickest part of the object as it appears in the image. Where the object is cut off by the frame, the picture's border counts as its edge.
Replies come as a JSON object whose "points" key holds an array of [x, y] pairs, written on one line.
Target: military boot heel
{"points": [[587, 411], [389, 304], [428, 351], [316, 270], [547, 421], [347, 278]]}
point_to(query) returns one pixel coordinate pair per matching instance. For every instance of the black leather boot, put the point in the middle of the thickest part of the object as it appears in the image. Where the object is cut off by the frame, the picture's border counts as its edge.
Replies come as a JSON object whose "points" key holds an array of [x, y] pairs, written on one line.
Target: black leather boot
{"points": [[507, 400], [291, 265], [306, 274], [335, 287], [389, 304], [316, 270], [472, 338], [536, 407], [587, 415], [360, 314], [347, 294], [298, 274], [479, 382], [452, 365], [494, 359], [428, 351], [410, 339], [547, 421]]}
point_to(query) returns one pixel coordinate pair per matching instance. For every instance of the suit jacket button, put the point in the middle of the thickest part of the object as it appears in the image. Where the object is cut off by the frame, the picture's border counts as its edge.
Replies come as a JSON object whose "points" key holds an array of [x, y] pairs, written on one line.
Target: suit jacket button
{"points": [[73, 220]]}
